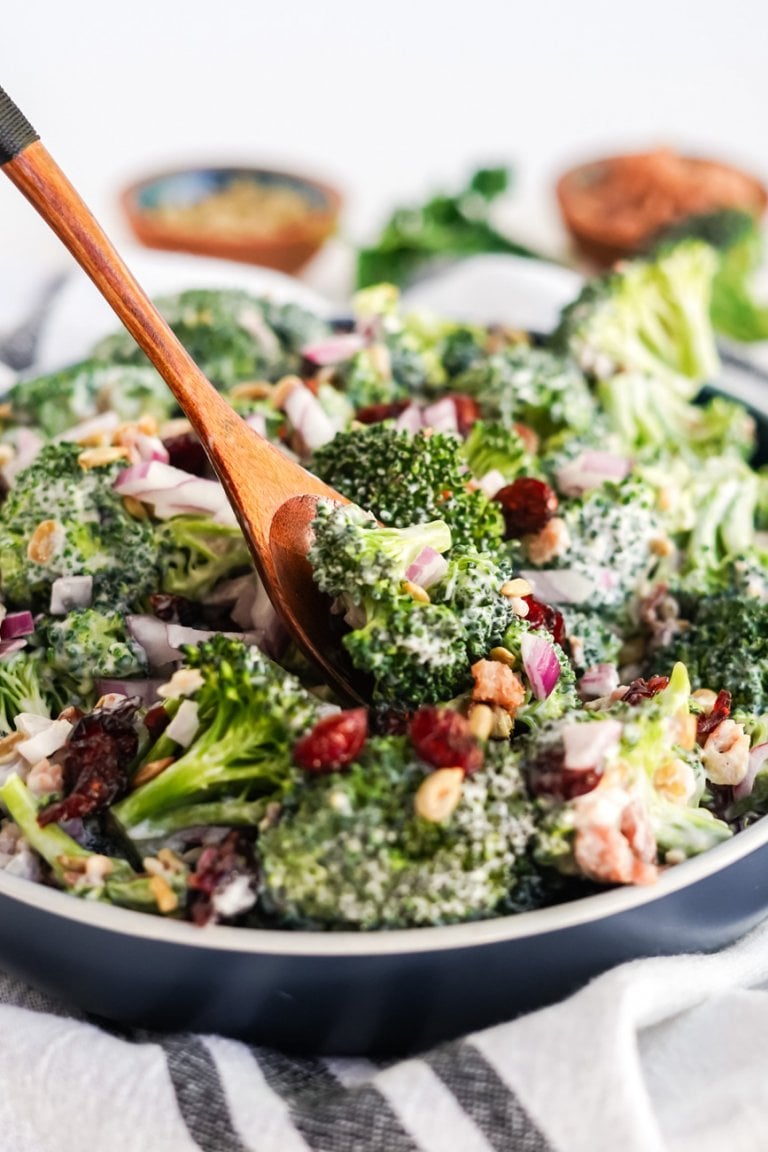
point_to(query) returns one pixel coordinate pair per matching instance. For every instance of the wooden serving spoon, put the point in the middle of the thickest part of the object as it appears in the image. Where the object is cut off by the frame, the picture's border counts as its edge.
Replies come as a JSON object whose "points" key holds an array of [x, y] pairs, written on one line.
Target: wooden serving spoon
{"points": [[273, 497]]}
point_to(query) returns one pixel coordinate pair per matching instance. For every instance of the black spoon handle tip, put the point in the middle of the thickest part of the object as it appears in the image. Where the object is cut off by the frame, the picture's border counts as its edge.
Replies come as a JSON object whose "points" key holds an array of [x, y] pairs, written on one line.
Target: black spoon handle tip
{"points": [[16, 132]]}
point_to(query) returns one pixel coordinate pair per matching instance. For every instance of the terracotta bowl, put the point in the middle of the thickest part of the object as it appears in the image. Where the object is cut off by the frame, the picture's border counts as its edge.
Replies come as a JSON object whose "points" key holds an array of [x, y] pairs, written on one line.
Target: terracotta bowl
{"points": [[612, 207], [254, 215]]}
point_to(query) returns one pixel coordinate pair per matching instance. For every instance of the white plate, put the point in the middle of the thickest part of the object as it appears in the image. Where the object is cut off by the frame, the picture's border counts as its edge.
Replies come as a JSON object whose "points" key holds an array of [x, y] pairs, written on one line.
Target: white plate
{"points": [[79, 316]]}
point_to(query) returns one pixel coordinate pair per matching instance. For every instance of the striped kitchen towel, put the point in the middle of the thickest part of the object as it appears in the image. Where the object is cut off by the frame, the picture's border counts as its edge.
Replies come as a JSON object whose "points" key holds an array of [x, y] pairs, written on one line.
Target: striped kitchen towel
{"points": [[665, 1054]]}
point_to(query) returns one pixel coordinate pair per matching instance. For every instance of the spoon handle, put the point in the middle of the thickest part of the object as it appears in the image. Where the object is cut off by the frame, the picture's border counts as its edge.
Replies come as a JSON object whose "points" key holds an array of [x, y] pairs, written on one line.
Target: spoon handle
{"points": [[257, 477]]}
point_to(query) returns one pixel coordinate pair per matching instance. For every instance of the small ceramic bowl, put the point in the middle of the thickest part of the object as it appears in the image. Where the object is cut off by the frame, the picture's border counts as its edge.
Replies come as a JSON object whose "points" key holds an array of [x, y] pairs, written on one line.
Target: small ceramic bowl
{"points": [[613, 206], [254, 215]]}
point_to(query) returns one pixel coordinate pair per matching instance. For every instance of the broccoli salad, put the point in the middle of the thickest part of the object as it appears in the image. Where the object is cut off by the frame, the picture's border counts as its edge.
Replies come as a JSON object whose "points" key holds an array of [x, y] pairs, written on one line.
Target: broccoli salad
{"points": [[552, 573]]}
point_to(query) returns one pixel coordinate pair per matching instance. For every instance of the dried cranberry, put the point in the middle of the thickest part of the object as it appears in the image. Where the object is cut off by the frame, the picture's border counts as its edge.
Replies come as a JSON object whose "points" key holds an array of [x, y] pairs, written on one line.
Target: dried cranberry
{"points": [[95, 762], [334, 742], [708, 721], [186, 452], [527, 505], [641, 689], [156, 720], [548, 776], [443, 738], [467, 411], [375, 413], [542, 615]]}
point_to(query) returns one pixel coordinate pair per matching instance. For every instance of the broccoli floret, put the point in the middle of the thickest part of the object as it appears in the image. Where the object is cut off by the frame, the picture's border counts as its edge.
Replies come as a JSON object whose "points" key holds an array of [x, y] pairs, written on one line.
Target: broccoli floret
{"points": [[60, 400], [648, 319], [593, 637], [709, 510], [415, 653], [405, 480], [724, 645], [413, 650], [610, 531], [196, 553], [350, 852], [471, 589], [25, 686], [495, 447], [87, 645], [354, 558], [532, 386], [249, 714], [736, 237], [61, 519], [231, 335]]}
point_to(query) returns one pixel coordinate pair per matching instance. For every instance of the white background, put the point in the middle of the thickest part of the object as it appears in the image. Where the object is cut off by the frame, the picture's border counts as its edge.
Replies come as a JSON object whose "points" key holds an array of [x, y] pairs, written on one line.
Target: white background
{"points": [[387, 100]]}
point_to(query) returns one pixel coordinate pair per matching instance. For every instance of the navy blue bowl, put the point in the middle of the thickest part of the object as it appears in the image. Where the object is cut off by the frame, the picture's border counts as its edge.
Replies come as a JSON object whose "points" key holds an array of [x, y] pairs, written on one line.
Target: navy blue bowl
{"points": [[375, 992]]}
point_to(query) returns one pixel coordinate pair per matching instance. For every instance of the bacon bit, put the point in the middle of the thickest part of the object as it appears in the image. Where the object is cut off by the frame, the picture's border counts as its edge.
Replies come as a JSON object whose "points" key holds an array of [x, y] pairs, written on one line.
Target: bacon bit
{"points": [[641, 689], [334, 742], [604, 853], [708, 721], [443, 738], [552, 541], [496, 683]]}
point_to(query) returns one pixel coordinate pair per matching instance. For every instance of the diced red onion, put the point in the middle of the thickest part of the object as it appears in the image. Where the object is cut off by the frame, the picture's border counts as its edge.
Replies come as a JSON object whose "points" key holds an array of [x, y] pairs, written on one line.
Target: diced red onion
{"points": [[757, 757], [151, 448], [307, 416], [410, 420], [174, 492], [162, 642], [9, 648], [28, 444], [334, 350], [257, 421], [183, 727], [441, 416], [17, 624], [590, 470], [255, 614], [428, 567], [68, 592], [598, 681], [560, 585], [587, 744], [145, 689], [45, 742], [492, 482], [541, 664]]}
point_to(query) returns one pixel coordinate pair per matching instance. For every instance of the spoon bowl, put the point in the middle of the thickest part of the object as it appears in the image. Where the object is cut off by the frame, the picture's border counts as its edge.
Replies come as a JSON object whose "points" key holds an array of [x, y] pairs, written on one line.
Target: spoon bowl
{"points": [[260, 480]]}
